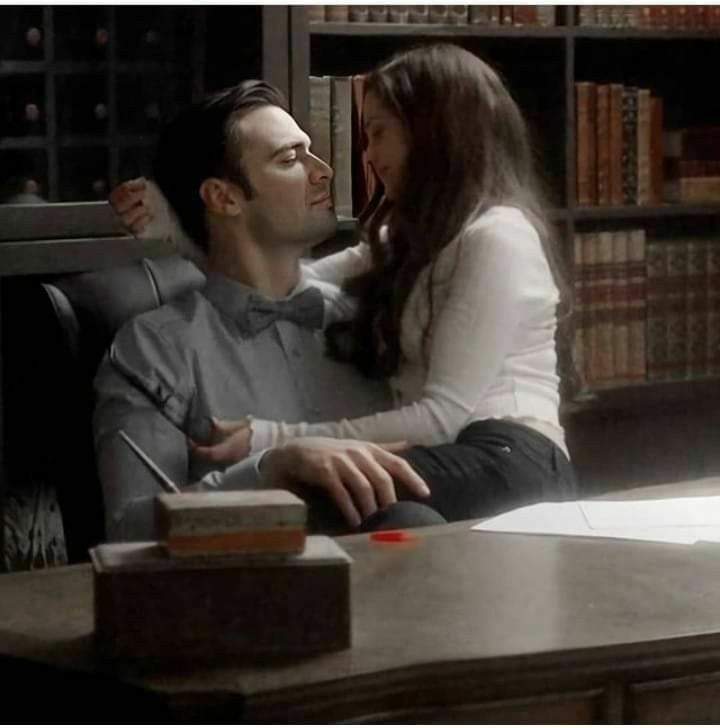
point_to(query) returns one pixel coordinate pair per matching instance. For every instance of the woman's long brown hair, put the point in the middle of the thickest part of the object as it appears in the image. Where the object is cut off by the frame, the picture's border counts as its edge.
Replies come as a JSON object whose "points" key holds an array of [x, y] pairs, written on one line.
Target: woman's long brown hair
{"points": [[468, 151]]}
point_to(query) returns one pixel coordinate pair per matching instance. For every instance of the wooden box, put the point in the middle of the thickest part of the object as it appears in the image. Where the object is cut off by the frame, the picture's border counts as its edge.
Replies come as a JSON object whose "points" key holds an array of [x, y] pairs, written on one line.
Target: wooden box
{"points": [[148, 604]]}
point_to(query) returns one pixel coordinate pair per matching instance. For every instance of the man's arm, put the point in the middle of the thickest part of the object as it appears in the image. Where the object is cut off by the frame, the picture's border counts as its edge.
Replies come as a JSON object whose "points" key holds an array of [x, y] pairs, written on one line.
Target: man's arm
{"points": [[128, 486]]}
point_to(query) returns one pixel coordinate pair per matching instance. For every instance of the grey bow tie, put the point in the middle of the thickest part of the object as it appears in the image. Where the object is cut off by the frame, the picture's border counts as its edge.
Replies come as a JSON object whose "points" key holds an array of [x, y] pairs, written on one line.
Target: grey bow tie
{"points": [[305, 309]]}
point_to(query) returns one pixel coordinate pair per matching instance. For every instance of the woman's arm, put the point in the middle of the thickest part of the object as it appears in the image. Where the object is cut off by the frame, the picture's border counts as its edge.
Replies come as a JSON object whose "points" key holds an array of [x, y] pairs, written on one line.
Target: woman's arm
{"points": [[501, 280]]}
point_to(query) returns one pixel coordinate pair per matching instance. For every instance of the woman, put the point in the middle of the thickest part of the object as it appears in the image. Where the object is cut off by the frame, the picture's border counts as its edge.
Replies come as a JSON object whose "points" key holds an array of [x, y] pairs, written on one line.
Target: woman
{"points": [[456, 291]]}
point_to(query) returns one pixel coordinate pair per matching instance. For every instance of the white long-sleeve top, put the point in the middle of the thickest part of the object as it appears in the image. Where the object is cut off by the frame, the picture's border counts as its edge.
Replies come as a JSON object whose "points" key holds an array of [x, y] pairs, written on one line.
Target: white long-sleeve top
{"points": [[491, 350]]}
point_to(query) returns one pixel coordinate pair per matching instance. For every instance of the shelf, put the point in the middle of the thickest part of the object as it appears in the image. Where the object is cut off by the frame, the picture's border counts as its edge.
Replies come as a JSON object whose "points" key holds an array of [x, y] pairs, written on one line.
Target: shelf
{"points": [[26, 142], [431, 29], [16, 68], [645, 211], [639, 399], [644, 34], [35, 257]]}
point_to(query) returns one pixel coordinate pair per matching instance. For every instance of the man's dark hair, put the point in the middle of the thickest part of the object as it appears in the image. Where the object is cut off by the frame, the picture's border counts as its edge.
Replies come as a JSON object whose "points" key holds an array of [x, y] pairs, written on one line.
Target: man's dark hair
{"points": [[196, 145]]}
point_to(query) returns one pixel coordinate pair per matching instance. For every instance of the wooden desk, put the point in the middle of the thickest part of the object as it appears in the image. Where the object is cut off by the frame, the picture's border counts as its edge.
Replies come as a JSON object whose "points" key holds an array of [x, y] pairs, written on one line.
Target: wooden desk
{"points": [[459, 626]]}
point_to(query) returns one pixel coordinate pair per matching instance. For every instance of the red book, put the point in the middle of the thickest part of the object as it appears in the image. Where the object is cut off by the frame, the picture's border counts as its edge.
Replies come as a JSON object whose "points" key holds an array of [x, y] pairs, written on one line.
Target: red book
{"points": [[656, 150], [603, 144], [586, 142], [525, 15]]}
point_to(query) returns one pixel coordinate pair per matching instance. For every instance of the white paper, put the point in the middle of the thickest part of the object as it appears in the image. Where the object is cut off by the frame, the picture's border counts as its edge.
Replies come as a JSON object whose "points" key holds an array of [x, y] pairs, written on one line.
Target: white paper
{"points": [[569, 519], [703, 511]]}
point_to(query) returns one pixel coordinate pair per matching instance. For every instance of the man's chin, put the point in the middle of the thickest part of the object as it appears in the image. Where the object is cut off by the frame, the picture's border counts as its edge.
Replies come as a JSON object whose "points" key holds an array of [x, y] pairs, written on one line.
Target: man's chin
{"points": [[322, 228]]}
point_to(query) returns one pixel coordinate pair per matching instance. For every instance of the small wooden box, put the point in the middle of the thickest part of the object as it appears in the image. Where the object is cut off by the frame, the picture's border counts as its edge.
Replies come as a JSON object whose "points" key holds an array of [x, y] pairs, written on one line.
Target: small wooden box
{"points": [[148, 604], [252, 521]]}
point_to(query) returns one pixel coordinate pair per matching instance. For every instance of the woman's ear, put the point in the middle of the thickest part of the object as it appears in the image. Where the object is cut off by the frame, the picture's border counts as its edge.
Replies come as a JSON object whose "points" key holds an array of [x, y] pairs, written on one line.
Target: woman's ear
{"points": [[221, 197]]}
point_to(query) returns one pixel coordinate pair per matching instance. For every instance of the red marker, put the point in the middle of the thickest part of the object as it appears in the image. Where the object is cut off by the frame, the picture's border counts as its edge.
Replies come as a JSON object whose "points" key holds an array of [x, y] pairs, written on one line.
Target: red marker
{"points": [[392, 536]]}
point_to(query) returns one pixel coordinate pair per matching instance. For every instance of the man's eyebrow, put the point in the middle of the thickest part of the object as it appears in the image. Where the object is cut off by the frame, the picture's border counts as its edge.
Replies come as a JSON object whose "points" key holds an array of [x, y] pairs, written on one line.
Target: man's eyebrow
{"points": [[290, 146]]}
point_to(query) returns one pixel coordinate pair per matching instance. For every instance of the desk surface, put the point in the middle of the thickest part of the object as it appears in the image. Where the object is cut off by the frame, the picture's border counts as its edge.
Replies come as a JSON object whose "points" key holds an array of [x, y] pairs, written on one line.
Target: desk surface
{"points": [[452, 615]]}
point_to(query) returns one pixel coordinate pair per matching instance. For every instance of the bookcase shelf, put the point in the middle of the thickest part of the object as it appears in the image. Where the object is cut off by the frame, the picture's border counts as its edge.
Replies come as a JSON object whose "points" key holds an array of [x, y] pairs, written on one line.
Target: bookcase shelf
{"points": [[642, 212], [425, 30]]}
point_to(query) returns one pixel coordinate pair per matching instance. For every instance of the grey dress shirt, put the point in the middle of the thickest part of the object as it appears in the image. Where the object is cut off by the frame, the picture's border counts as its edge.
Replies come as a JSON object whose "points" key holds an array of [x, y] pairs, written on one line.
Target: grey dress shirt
{"points": [[172, 369]]}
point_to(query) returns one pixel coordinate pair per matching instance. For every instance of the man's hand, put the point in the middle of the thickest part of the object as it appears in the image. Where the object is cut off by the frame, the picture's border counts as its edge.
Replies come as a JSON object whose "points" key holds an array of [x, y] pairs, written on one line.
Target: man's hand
{"points": [[229, 442], [128, 201], [358, 476]]}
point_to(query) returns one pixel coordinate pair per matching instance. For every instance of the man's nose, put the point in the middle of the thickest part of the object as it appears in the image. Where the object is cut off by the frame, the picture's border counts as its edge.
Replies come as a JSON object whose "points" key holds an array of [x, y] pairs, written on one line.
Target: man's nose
{"points": [[319, 170]]}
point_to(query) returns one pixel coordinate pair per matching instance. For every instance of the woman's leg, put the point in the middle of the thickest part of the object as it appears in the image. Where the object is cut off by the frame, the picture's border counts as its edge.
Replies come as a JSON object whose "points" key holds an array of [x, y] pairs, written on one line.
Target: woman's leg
{"points": [[494, 466]]}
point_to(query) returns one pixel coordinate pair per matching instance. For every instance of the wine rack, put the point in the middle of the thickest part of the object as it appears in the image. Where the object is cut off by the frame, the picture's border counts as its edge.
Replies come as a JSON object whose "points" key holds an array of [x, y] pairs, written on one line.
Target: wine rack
{"points": [[83, 91]]}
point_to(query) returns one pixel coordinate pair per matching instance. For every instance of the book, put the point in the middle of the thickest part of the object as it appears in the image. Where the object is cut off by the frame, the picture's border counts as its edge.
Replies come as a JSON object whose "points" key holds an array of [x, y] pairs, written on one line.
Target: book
{"points": [[621, 307], [320, 117], [457, 14], [479, 14], [525, 15], [337, 13], [398, 14], [629, 154], [603, 144], [586, 15], [676, 314], [637, 303], [589, 327], [359, 14], [585, 142], [341, 143], [656, 150], [315, 13], [506, 14], [378, 13], [656, 331], [546, 16], [438, 14], [692, 143], [696, 306], [643, 147], [615, 151], [713, 308], [579, 335], [418, 14], [603, 308], [363, 184]]}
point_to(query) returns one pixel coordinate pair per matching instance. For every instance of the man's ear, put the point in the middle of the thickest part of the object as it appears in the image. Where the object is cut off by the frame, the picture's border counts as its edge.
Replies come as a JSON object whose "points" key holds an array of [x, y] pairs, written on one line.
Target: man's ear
{"points": [[221, 197]]}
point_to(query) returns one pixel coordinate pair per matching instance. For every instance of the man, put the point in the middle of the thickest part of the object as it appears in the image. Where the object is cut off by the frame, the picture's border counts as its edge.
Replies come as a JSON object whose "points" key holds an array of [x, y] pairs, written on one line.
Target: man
{"points": [[239, 174]]}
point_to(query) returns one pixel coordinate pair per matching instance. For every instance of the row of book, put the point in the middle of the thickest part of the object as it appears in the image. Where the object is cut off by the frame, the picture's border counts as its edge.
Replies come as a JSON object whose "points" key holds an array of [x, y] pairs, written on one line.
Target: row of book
{"points": [[658, 17], [645, 310], [692, 164], [335, 130], [619, 145], [516, 15]]}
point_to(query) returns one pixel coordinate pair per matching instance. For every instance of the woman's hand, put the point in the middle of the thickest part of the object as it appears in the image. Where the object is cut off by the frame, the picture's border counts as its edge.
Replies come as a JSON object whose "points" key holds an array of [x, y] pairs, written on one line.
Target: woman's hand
{"points": [[129, 202], [230, 442]]}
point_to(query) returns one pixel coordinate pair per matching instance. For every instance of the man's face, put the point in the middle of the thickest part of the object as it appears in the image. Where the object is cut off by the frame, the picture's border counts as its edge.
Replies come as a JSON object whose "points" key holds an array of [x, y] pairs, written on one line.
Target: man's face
{"points": [[292, 204]]}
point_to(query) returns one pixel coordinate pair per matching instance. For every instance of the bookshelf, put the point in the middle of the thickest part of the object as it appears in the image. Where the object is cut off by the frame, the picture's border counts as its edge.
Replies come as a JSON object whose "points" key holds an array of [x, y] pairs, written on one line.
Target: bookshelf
{"points": [[542, 66]]}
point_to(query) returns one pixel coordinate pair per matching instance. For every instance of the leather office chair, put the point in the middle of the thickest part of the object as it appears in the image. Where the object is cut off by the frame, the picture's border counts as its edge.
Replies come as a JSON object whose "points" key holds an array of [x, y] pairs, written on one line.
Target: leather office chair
{"points": [[89, 308]]}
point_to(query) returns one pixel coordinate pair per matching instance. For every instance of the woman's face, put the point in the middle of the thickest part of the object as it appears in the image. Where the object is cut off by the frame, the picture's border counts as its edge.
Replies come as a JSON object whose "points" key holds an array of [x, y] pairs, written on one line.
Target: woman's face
{"points": [[387, 144]]}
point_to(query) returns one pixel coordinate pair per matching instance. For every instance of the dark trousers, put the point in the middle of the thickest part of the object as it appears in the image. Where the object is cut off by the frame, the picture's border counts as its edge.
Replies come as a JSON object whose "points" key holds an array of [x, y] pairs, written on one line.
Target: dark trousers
{"points": [[492, 467]]}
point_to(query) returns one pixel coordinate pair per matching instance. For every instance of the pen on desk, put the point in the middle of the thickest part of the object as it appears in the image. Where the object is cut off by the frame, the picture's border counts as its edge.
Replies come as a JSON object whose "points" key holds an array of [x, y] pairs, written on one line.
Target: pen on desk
{"points": [[165, 482]]}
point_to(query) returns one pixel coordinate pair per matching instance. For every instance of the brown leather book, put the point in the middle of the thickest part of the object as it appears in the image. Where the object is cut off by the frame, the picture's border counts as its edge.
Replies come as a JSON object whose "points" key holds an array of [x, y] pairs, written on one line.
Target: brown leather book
{"points": [[656, 150], [603, 144], [586, 147], [525, 15], [616, 144]]}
